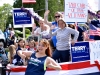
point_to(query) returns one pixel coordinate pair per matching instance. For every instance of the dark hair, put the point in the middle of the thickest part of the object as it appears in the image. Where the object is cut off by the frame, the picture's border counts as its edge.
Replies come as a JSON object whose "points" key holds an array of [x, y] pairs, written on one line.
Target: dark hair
{"points": [[35, 38], [21, 40], [33, 42], [46, 43], [13, 37], [71, 26], [98, 11]]}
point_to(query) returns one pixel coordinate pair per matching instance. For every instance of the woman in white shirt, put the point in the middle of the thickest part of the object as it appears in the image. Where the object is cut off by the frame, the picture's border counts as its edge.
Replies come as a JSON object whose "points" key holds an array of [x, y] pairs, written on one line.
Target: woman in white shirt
{"points": [[42, 31]]}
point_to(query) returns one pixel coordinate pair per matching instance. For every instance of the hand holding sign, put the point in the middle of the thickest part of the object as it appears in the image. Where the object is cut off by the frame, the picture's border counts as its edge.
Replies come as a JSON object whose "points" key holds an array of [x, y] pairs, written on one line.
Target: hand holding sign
{"points": [[72, 42]]}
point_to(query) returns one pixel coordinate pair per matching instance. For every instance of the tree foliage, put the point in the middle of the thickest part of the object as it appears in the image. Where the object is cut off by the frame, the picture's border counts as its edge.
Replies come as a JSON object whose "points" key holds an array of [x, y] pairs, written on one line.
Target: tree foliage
{"points": [[39, 6], [4, 14]]}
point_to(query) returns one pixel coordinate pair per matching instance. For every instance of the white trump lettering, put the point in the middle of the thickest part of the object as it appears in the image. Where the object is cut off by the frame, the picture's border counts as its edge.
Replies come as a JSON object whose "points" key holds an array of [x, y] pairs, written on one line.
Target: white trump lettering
{"points": [[77, 48], [20, 14]]}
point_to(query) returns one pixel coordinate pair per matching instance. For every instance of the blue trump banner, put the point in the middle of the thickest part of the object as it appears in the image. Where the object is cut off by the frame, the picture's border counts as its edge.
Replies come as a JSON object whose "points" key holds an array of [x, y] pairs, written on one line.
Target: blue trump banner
{"points": [[80, 51], [21, 17]]}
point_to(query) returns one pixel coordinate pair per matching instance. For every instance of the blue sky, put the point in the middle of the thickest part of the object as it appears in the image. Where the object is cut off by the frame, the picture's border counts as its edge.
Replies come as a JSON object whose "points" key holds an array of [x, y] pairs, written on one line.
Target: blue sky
{"points": [[6, 1]]}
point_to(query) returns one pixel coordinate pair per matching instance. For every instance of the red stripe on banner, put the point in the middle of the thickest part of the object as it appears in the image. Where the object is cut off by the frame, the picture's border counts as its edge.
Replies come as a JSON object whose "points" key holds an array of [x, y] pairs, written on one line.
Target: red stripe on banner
{"points": [[19, 69], [28, 1], [79, 65], [71, 66], [97, 64]]}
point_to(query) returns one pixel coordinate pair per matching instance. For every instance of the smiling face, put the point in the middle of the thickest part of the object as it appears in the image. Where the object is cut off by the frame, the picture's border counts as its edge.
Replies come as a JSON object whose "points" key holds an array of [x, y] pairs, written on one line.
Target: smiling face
{"points": [[44, 47], [57, 16], [41, 47], [21, 43], [61, 24], [32, 44]]}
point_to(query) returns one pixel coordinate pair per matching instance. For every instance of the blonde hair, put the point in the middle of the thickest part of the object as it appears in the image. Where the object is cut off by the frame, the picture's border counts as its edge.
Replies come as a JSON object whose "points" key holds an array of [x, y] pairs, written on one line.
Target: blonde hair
{"points": [[12, 50]]}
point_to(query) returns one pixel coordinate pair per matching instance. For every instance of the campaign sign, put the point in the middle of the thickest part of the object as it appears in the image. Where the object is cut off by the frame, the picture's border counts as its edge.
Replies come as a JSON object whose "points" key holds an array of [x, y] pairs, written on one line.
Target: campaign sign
{"points": [[76, 10], [21, 17], [80, 51]]}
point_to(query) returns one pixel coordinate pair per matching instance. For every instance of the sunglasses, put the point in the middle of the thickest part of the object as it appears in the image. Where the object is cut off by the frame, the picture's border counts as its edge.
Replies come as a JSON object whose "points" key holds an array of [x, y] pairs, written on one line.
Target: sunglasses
{"points": [[57, 16]]}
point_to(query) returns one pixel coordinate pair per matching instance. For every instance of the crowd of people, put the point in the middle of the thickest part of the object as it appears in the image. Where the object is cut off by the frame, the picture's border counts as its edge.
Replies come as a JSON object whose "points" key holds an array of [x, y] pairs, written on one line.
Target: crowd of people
{"points": [[48, 45]]}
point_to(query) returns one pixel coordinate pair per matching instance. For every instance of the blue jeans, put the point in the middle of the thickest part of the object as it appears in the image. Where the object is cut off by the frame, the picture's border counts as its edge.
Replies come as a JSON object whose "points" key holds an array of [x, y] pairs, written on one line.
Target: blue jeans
{"points": [[64, 55]]}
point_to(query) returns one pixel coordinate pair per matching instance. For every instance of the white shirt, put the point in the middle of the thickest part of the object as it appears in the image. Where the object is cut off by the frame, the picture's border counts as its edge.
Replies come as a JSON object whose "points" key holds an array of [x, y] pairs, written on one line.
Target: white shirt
{"points": [[44, 33]]}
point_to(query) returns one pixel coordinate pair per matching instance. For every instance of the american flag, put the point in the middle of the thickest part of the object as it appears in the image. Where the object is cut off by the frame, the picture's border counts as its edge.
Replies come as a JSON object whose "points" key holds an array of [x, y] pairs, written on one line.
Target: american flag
{"points": [[95, 31], [28, 1]]}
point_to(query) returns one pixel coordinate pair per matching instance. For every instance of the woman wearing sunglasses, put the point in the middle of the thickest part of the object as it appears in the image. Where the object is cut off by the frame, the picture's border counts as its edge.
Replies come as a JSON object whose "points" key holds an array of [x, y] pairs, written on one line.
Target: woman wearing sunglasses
{"points": [[57, 16]]}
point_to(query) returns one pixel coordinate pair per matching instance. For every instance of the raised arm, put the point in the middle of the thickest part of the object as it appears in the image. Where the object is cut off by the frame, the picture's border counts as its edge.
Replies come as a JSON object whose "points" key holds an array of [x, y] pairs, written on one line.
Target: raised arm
{"points": [[45, 18], [24, 54], [50, 63]]}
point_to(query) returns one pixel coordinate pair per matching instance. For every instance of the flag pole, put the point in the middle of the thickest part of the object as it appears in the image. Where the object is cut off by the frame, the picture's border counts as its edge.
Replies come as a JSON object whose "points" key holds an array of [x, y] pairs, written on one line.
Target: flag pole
{"points": [[22, 3], [23, 25]]}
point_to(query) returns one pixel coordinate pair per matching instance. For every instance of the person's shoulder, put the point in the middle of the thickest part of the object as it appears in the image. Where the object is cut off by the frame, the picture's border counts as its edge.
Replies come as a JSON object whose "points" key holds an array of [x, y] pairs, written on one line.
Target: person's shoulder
{"points": [[54, 22], [19, 48], [58, 29], [38, 28], [68, 28], [78, 27], [46, 26], [49, 58]]}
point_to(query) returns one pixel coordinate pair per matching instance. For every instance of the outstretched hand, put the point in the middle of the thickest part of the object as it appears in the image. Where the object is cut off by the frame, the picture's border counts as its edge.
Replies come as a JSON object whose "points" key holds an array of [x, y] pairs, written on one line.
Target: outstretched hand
{"points": [[73, 42], [46, 13]]}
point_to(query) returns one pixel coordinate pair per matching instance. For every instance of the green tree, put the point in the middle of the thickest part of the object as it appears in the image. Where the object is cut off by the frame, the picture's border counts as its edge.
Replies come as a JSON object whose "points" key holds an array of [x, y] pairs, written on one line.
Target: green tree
{"points": [[9, 20], [39, 6], [4, 11]]}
